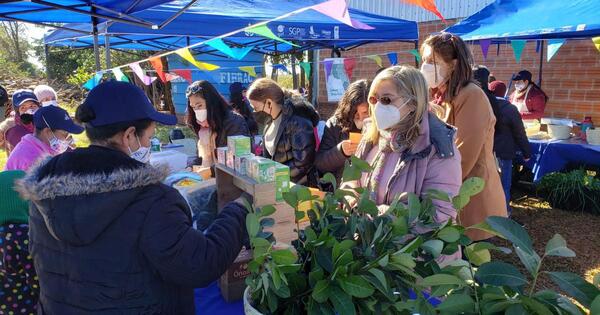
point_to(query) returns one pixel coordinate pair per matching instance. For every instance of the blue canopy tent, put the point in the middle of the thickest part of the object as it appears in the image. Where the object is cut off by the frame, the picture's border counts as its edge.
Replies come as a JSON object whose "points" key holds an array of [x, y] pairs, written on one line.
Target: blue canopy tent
{"points": [[43, 12], [506, 20], [210, 18]]}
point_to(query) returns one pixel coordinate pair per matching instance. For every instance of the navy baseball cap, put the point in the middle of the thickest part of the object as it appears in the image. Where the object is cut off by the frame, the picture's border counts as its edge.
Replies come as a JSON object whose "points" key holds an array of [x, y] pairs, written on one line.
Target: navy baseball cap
{"points": [[22, 96], [116, 102], [55, 118], [523, 75]]}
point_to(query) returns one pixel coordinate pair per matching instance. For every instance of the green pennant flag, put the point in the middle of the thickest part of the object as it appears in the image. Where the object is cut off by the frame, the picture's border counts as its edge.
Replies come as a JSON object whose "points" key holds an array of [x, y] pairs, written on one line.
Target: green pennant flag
{"points": [[306, 66], [415, 53], [119, 75], [265, 31], [518, 46]]}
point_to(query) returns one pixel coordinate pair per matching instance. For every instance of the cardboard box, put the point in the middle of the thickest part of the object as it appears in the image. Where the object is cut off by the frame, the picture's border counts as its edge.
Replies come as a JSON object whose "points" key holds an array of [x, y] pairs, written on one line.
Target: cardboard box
{"points": [[263, 170], [204, 172], [355, 137], [307, 205], [282, 180], [241, 164], [230, 159], [239, 145], [232, 282], [222, 155]]}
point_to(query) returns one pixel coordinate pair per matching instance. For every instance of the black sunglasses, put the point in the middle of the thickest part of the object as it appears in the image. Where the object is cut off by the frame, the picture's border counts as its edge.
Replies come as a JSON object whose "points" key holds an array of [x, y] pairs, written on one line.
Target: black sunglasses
{"points": [[384, 100]]}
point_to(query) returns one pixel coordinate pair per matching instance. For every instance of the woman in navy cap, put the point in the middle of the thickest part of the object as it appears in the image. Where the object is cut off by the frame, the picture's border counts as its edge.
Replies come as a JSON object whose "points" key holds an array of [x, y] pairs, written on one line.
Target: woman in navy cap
{"points": [[24, 104], [53, 127], [529, 98], [106, 235]]}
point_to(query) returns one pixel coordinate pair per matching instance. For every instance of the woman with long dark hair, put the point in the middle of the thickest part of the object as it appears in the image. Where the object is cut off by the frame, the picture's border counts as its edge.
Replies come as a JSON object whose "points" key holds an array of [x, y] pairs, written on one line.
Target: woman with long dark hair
{"points": [[447, 67], [240, 104], [211, 118], [335, 146]]}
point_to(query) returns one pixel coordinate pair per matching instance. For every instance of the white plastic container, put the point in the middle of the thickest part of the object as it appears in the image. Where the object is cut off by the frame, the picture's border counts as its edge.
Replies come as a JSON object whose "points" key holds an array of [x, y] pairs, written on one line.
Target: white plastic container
{"points": [[593, 136], [176, 160], [559, 132]]}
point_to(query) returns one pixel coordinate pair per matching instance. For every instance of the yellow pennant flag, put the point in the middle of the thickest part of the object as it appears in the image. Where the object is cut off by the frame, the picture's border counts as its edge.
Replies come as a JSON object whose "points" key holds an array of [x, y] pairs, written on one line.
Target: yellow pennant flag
{"points": [[596, 41], [187, 55], [249, 70], [377, 59]]}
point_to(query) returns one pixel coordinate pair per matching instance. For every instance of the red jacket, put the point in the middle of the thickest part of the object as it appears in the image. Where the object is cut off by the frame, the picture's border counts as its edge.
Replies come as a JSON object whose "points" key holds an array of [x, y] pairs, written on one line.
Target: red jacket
{"points": [[535, 103]]}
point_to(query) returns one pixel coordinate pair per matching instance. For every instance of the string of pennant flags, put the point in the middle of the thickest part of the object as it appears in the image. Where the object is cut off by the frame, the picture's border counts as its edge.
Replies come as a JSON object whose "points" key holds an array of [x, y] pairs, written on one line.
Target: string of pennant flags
{"points": [[186, 74]]}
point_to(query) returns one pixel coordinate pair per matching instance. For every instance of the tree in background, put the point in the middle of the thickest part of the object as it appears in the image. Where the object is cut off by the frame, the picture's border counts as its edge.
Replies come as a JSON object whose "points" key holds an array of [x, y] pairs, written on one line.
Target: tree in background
{"points": [[14, 50]]}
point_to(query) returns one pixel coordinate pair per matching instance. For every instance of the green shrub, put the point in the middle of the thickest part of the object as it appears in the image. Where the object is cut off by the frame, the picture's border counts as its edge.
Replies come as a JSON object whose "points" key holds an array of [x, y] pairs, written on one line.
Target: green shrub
{"points": [[572, 191]]}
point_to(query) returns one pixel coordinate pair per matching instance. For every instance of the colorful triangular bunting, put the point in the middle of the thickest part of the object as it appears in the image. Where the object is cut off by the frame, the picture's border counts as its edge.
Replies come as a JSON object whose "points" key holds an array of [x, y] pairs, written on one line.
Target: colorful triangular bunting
{"points": [[187, 55], [158, 66], [307, 67], [349, 64], [119, 75], [485, 46], [428, 5], [282, 67], [415, 53], [338, 10], [265, 31], [233, 52], [327, 64], [249, 70], [518, 46], [94, 81], [147, 80], [377, 60], [184, 73], [393, 57], [596, 41], [553, 46]]}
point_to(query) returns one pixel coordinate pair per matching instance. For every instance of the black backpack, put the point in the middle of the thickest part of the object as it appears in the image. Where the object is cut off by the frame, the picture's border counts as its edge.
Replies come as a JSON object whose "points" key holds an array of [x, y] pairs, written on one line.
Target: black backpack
{"points": [[3, 96]]}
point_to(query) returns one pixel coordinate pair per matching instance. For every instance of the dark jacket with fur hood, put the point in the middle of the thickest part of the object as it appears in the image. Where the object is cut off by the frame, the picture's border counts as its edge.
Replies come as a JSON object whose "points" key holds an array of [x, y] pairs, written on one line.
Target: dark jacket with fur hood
{"points": [[107, 237], [295, 143]]}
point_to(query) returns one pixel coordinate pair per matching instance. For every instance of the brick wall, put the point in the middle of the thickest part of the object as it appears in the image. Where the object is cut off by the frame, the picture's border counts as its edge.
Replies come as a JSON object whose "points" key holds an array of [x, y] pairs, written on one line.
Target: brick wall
{"points": [[571, 79]]}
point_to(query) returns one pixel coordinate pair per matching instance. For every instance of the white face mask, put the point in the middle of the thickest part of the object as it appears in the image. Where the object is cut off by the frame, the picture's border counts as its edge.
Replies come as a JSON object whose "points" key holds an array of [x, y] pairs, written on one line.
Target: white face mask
{"points": [[49, 103], [359, 124], [31, 111], [201, 114], [142, 154], [430, 72], [520, 86], [388, 116], [59, 146]]}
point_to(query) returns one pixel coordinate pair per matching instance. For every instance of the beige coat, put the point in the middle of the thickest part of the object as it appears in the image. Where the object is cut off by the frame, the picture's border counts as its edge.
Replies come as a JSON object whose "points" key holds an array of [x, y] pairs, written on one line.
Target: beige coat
{"points": [[470, 112]]}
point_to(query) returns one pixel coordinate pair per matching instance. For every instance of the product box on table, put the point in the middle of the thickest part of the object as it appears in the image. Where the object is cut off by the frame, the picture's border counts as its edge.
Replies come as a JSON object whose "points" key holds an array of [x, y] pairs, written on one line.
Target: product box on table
{"points": [[282, 180], [263, 170], [241, 164], [232, 282], [230, 160], [222, 155], [239, 145]]}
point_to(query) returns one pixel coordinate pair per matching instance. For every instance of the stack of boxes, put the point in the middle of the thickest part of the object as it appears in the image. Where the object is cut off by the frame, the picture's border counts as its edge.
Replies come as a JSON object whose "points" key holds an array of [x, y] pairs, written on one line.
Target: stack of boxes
{"points": [[237, 156]]}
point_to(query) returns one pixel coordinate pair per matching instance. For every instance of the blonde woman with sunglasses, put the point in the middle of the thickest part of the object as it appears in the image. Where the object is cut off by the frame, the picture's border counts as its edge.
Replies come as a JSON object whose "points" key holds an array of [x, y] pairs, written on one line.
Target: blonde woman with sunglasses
{"points": [[409, 148]]}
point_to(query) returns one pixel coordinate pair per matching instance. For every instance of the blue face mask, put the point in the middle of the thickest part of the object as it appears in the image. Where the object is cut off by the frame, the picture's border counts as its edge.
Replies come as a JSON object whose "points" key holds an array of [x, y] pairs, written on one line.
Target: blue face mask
{"points": [[142, 154]]}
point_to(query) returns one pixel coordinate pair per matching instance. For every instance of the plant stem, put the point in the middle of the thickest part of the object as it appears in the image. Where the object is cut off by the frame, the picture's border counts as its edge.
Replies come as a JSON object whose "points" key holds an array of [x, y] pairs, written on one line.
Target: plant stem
{"points": [[535, 276], [475, 289]]}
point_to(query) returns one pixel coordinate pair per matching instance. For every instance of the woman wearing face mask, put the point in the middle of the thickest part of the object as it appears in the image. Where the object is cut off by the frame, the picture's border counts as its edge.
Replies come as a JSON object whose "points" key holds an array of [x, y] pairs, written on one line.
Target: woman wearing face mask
{"points": [[409, 147], [52, 128], [349, 116], [106, 235], [447, 64], [211, 118], [529, 98], [25, 104], [289, 138]]}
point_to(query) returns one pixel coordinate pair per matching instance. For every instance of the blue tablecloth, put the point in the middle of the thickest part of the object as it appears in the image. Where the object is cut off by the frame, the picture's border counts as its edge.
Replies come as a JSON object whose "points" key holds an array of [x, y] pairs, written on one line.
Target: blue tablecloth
{"points": [[553, 155], [209, 301]]}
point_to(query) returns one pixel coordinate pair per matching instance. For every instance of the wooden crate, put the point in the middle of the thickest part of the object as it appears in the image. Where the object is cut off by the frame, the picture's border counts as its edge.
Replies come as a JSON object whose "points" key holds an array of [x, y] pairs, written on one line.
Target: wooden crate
{"points": [[229, 187]]}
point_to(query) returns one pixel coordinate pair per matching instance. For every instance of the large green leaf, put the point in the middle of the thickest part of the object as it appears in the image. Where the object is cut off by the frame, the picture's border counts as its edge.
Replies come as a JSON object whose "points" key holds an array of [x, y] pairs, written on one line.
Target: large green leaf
{"points": [[324, 259], [595, 307], [581, 290], [290, 198], [460, 201], [442, 279], [515, 309], [449, 234], [433, 247], [512, 231], [360, 164], [356, 286], [266, 211], [321, 291], [252, 224], [472, 186], [342, 302], [478, 257], [531, 261], [399, 226], [302, 192], [557, 246], [457, 304], [283, 257], [404, 259], [535, 306], [414, 207], [500, 274], [379, 280], [341, 247], [350, 173], [330, 178], [366, 205]]}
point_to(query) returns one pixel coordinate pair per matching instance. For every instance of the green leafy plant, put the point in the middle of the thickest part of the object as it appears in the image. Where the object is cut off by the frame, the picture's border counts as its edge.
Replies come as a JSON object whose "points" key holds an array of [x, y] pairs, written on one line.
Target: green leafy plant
{"points": [[572, 191], [354, 258]]}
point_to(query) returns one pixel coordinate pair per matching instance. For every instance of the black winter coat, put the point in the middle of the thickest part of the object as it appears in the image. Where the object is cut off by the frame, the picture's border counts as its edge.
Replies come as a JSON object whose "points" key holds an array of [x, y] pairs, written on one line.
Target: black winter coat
{"points": [[295, 146], [234, 125], [510, 135], [330, 157], [107, 237]]}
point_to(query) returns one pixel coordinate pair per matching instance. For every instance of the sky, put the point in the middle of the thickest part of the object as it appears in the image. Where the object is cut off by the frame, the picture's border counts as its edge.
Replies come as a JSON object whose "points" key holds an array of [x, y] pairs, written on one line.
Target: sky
{"points": [[35, 32]]}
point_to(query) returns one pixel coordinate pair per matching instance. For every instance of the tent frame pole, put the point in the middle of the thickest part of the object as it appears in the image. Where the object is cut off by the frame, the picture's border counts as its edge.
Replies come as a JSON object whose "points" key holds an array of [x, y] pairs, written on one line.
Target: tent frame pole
{"points": [[95, 34], [107, 50], [541, 63], [315, 77]]}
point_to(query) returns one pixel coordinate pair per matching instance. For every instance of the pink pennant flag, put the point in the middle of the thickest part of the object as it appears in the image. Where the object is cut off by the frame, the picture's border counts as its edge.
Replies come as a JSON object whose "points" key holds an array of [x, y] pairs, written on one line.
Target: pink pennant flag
{"points": [[485, 46], [338, 10], [170, 76], [140, 73]]}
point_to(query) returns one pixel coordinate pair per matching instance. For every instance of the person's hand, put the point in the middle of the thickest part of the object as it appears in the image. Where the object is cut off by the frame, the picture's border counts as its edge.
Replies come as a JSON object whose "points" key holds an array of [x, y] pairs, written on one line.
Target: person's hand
{"points": [[348, 147], [242, 197]]}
